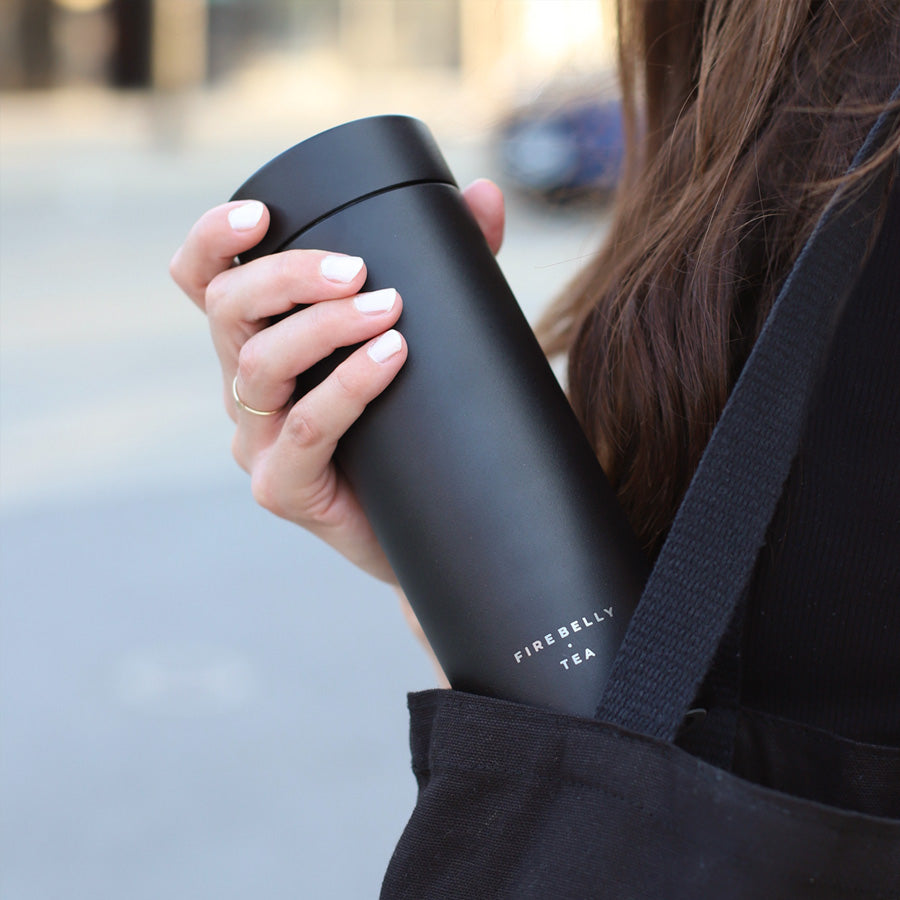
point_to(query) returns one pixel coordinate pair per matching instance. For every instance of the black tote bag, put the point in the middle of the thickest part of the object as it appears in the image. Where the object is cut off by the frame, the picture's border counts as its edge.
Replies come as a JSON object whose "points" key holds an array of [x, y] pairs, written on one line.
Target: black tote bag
{"points": [[521, 802]]}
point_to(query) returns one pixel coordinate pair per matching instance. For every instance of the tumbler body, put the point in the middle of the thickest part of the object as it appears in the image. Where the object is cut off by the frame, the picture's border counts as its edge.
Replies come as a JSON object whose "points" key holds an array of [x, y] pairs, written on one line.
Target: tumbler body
{"points": [[484, 492]]}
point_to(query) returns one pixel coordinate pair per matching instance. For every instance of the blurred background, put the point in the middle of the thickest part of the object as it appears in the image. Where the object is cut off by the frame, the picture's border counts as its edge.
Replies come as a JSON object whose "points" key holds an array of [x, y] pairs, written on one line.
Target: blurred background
{"points": [[196, 699]]}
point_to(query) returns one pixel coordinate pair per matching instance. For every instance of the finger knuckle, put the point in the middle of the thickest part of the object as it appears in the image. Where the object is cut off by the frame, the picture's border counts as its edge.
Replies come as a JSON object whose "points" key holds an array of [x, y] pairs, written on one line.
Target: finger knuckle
{"points": [[287, 270], [318, 500], [321, 327], [176, 267], [251, 361], [239, 452], [300, 427], [348, 388], [181, 273], [217, 295], [264, 490]]}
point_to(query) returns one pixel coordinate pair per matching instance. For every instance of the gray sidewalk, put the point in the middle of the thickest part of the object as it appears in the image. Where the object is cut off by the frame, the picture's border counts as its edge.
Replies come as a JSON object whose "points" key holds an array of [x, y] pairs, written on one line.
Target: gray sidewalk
{"points": [[198, 700]]}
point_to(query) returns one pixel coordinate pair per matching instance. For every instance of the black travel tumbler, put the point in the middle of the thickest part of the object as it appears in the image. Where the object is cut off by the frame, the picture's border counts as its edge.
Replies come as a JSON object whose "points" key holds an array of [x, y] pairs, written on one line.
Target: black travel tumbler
{"points": [[472, 468]]}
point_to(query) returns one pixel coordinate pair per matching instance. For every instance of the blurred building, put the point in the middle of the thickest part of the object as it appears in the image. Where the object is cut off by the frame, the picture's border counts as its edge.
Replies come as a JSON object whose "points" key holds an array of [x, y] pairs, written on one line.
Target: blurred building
{"points": [[171, 44]]}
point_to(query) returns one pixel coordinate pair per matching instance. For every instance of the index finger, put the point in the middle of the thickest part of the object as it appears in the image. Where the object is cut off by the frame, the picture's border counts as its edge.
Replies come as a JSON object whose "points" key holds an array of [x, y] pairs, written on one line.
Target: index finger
{"points": [[212, 244]]}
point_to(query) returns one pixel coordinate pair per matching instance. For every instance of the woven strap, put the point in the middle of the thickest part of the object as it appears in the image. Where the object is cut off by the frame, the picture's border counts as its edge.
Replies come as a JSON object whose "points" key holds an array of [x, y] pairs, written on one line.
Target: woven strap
{"points": [[709, 556]]}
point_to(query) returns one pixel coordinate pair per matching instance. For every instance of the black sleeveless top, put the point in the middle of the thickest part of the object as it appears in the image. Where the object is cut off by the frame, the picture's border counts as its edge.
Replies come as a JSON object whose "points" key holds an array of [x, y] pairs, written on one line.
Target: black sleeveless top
{"points": [[821, 637]]}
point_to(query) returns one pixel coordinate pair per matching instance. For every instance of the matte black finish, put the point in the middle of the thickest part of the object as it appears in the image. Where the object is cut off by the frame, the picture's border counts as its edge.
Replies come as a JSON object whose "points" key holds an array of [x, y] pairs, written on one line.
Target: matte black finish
{"points": [[340, 166], [485, 494]]}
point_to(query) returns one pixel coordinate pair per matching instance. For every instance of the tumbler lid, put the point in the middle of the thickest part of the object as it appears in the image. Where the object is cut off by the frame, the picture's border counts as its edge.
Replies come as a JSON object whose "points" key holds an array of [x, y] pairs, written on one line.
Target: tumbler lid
{"points": [[337, 167]]}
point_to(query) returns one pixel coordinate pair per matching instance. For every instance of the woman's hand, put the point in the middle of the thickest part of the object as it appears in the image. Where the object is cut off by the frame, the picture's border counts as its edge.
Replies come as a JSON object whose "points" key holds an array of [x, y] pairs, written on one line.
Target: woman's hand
{"points": [[288, 449]]}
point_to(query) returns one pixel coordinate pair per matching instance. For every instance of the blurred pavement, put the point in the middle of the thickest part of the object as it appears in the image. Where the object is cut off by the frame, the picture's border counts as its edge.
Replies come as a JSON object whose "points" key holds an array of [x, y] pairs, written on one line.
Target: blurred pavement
{"points": [[197, 700]]}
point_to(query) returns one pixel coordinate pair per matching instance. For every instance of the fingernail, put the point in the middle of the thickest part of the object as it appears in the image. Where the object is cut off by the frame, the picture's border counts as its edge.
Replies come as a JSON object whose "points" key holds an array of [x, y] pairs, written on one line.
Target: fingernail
{"points": [[341, 268], [246, 216], [386, 346], [375, 301]]}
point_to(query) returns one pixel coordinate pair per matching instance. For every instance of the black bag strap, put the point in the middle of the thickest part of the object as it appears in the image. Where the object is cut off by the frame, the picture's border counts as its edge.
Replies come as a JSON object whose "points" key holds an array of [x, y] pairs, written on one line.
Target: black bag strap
{"points": [[707, 561]]}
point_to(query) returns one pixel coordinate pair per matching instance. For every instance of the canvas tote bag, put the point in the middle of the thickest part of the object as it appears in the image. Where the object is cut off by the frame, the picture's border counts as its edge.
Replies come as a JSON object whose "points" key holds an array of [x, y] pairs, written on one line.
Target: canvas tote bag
{"points": [[526, 803]]}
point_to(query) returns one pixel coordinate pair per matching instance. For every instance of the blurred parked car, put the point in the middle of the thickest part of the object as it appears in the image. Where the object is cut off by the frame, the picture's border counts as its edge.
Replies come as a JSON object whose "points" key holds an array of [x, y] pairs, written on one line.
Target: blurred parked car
{"points": [[564, 150]]}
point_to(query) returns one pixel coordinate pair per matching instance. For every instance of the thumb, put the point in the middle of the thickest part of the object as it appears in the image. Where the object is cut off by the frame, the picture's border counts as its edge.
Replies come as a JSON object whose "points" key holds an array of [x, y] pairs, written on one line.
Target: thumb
{"points": [[485, 200]]}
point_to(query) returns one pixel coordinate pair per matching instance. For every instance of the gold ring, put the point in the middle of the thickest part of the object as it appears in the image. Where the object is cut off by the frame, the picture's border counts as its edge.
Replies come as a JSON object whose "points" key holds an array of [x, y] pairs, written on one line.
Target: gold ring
{"points": [[250, 409]]}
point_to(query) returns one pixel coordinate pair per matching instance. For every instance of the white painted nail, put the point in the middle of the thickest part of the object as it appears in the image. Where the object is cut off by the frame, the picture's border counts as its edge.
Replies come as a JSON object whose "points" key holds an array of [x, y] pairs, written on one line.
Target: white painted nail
{"points": [[376, 301], [386, 346], [246, 216], [341, 268]]}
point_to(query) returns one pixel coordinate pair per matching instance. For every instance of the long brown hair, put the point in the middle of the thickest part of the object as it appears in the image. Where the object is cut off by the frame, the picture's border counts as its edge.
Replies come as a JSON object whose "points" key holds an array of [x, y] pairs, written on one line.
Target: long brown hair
{"points": [[740, 117]]}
